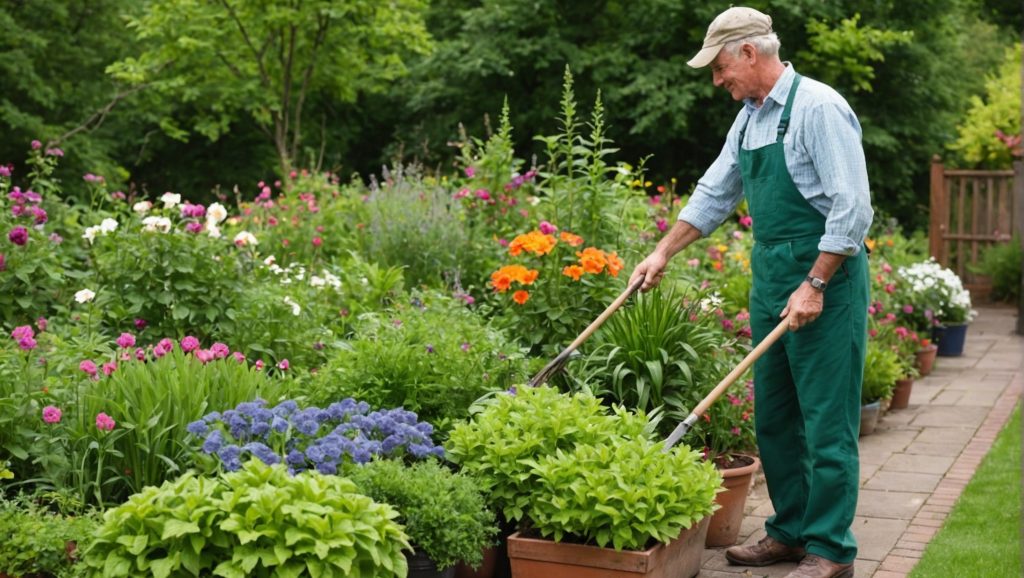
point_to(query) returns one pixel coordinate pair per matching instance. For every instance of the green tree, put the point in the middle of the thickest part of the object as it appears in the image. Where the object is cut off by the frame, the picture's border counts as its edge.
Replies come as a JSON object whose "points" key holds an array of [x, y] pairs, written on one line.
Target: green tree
{"points": [[264, 61], [990, 133]]}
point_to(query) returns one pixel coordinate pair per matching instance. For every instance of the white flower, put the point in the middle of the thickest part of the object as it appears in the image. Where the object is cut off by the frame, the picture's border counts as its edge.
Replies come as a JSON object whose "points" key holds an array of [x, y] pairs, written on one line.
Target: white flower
{"points": [[296, 310], [161, 224], [215, 213], [270, 261], [108, 226], [84, 296], [245, 238], [332, 280], [212, 230], [170, 199], [90, 233], [142, 207], [316, 281]]}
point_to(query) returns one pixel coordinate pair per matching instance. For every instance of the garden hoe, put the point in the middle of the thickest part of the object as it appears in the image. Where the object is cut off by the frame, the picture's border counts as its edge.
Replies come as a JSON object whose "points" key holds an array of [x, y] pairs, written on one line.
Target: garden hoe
{"points": [[740, 369], [556, 364]]}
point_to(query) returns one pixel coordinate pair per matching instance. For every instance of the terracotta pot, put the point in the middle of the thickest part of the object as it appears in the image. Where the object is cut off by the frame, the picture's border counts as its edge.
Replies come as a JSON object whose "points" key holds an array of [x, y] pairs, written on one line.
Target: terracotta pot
{"points": [[926, 359], [869, 417], [536, 558], [724, 528], [901, 394], [486, 569]]}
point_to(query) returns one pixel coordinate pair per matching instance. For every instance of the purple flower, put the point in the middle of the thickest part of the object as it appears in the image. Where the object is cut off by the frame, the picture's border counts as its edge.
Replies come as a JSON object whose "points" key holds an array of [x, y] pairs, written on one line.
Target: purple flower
{"points": [[18, 235], [40, 216], [197, 428], [27, 343], [140, 324]]}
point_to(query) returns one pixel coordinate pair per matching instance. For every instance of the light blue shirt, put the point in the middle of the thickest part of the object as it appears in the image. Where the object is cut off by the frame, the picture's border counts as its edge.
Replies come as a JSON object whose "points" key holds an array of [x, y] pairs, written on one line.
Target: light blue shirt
{"points": [[823, 154]]}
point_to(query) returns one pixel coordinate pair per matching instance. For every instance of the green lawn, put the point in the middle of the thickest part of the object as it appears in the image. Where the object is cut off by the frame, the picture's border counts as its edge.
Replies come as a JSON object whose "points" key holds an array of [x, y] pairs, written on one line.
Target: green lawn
{"points": [[982, 536]]}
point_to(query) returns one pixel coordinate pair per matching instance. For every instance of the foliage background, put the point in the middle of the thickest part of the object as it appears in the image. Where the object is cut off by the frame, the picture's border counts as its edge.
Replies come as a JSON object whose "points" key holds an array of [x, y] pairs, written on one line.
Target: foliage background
{"points": [[900, 65]]}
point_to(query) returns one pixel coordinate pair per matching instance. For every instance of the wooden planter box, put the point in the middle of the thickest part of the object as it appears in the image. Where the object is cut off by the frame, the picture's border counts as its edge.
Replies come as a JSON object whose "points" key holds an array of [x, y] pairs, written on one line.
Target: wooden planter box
{"points": [[538, 558]]}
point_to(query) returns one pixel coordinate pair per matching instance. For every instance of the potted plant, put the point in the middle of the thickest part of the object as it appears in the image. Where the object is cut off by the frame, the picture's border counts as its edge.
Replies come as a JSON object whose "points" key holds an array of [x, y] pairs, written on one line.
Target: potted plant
{"points": [[924, 358], [942, 301], [443, 513], [509, 431], [887, 333], [881, 370], [621, 507]]}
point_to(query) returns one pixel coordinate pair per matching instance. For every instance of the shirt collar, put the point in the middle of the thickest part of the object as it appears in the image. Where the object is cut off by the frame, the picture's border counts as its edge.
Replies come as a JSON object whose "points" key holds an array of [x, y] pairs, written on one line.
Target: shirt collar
{"points": [[780, 92]]}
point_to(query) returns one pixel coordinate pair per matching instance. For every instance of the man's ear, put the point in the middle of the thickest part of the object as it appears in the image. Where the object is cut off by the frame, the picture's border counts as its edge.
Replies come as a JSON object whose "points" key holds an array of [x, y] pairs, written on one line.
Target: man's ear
{"points": [[749, 52]]}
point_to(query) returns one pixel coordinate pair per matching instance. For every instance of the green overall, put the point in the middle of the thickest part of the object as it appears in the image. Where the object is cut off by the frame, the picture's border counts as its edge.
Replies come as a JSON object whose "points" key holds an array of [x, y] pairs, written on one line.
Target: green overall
{"points": [[808, 384]]}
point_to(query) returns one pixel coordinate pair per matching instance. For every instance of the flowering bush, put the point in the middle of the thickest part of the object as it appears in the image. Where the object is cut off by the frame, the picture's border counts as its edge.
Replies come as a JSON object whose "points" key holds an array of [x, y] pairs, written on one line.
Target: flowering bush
{"points": [[311, 438], [934, 295], [554, 287]]}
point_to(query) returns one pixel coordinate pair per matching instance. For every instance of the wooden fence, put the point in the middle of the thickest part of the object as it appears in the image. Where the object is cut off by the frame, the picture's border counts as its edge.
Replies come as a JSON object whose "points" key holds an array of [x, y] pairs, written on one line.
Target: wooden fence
{"points": [[970, 210]]}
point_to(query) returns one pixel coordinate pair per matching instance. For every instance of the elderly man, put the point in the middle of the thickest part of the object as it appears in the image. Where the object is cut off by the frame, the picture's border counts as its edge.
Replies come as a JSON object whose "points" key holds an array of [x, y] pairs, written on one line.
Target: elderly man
{"points": [[794, 151]]}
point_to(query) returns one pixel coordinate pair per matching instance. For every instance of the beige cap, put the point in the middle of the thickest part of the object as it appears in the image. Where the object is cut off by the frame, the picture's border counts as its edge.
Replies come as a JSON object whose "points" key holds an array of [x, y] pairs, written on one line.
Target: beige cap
{"points": [[733, 24]]}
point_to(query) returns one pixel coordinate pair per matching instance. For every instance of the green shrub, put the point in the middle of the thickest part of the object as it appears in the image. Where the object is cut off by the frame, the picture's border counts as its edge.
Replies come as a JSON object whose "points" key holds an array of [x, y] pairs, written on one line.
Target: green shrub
{"points": [[150, 403], [1002, 262], [443, 513], [627, 493], [38, 541], [431, 356], [501, 443], [881, 370], [258, 521]]}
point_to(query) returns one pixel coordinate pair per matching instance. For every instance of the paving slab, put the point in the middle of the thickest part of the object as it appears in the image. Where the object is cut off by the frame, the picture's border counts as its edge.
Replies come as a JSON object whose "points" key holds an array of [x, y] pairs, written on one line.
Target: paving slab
{"points": [[890, 504], [903, 482], [875, 536], [918, 464], [943, 416]]}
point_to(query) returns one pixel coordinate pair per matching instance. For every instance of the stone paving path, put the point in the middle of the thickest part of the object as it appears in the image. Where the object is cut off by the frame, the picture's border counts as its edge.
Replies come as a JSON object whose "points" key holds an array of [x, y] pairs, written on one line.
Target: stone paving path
{"points": [[919, 459]]}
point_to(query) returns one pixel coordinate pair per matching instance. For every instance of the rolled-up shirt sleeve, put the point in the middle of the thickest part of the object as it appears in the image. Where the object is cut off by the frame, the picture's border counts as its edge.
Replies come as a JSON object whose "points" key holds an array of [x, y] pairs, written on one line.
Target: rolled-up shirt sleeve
{"points": [[834, 146], [720, 189]]}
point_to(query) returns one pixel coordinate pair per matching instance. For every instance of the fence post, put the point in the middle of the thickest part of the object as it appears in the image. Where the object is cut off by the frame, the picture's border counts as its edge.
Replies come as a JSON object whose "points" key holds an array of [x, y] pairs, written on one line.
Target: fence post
{"points": [[938, 218]]}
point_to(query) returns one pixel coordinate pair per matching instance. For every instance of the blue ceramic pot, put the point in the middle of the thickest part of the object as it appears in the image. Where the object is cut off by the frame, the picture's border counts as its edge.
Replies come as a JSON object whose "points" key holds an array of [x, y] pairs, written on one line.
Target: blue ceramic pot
{"points": [[950, 339]]}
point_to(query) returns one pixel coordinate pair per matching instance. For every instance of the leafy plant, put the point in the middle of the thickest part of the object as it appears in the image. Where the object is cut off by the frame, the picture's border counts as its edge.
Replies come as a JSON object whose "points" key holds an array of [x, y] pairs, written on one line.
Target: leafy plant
{"points": [[990, 134], [1002, 263], [625, 492], [37, 541], [881, 370], [936, 292], [431, 355], [311, 438], [443, 513], [663, 351], [258, 521], [499, 443]]}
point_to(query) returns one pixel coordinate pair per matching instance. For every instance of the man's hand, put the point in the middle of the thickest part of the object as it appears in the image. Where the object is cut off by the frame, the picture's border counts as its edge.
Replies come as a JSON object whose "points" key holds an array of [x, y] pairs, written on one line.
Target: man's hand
{"points": [[651, 269], [805, 305]]}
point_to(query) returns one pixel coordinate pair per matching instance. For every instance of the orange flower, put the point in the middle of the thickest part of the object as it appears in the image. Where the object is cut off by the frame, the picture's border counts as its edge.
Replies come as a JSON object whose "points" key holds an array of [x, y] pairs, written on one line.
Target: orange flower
{"points": [[870, 243], [574, 271], [592, 259], [521, 296], [572, 240], [533, 242], [503, 278], [614, 264]]}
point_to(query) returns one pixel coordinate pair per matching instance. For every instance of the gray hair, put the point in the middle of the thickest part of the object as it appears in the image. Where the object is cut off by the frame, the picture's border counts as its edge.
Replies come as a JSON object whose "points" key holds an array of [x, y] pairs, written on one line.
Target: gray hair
{"points": [[767, 45]]}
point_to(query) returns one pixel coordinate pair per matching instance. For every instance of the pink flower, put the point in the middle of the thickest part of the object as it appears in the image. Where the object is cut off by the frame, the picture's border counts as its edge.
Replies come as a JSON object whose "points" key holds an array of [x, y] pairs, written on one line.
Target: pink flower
{"points": [[126, 340], [3, 262], [220, 350], [189, 343], [140, 354], [693, 262], [166, 344], [194, 227], [40, 216], [41, 323], [239, 356], [871, 309], [5, 170], [317, 241], [36, 145], [259, 365], [908, 308], [51, 414], [283, 365], [140, 324], [735, 431], [483, 194], [470, 172], [873, 332], [465, 346], [18, 235], [547, 228], [88, 367], [22, 331], [204, 355], [104, 422], [662, 225], [887, 267], [890, 288], [27, 343], [109, 368], [747, 221]]}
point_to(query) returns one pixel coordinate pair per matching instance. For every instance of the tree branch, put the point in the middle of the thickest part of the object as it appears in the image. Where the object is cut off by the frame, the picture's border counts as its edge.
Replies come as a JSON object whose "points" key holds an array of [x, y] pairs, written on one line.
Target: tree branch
{"points": [[97, 118], [257, 54]]}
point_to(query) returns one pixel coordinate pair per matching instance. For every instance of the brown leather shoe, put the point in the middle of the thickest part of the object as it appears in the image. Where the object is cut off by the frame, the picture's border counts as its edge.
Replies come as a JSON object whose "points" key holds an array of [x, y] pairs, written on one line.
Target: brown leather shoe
{"points": [[767, 551], [814, 566]]}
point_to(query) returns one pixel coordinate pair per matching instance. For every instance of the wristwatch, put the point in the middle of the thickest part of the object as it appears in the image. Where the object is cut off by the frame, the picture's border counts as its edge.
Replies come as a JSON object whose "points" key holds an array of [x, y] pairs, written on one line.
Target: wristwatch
{"points": [[817, 283]]}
